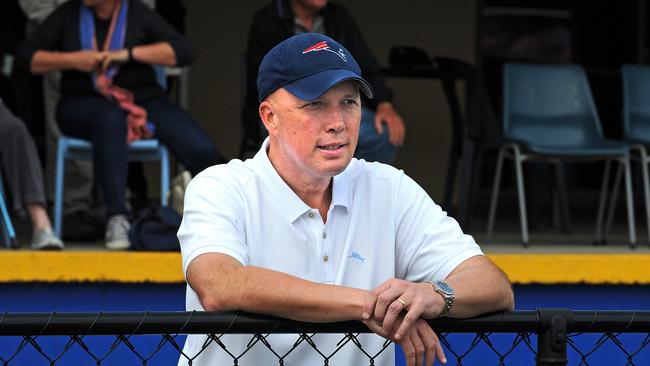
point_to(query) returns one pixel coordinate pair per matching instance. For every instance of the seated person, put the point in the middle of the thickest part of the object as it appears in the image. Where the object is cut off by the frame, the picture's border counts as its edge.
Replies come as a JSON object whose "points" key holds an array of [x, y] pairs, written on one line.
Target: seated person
{"points": [[23, 173], [106, 50], [382, 128]]}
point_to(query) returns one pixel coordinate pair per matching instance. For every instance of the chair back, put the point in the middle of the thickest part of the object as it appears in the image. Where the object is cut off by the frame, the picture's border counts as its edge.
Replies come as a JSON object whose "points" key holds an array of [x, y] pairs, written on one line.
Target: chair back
{"points": [[549, 105], [636, 103], [479, 121]]}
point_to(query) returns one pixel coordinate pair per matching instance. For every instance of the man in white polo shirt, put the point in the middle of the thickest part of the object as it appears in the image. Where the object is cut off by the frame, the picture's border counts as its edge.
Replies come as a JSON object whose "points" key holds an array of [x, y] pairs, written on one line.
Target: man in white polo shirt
{"points": [[304, 231]]}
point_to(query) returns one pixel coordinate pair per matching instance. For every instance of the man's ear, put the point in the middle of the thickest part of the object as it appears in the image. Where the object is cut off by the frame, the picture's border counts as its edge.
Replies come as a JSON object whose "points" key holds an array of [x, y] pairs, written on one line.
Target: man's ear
{"points": [[268, 116]]}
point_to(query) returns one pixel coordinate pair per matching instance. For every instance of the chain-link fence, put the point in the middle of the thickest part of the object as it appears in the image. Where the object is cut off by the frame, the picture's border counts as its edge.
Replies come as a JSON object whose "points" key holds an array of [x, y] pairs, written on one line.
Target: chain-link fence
{"points": [[542, 337]]}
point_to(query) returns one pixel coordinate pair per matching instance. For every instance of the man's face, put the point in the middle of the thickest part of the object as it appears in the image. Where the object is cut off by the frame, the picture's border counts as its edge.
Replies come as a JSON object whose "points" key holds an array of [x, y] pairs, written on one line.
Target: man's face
{"points": [[315, 139]]}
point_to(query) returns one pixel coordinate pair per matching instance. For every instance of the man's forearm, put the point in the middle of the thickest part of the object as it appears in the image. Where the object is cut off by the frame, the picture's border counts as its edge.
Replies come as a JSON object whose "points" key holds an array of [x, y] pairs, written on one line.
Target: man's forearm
{"points": [[480, 287], [227, 287]]}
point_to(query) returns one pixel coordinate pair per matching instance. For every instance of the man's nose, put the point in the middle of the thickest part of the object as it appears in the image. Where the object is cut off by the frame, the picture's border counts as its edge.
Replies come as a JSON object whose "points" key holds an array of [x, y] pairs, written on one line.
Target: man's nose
{"points": [[335, 121]]}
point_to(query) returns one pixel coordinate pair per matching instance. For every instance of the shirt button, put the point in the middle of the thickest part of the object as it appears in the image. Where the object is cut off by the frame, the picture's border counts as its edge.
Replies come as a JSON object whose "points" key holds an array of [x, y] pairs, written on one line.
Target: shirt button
{"points": [[310, 214], [324, 235], [326, 258]]}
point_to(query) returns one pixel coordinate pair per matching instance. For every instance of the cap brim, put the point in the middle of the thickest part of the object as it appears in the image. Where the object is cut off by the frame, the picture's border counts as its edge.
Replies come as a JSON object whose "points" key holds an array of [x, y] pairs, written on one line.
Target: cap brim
{"points": [[313, 86]]}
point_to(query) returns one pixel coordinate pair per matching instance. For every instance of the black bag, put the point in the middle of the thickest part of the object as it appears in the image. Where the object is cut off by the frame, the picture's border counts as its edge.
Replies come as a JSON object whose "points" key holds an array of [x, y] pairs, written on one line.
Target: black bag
{"points": [[154, 228]]}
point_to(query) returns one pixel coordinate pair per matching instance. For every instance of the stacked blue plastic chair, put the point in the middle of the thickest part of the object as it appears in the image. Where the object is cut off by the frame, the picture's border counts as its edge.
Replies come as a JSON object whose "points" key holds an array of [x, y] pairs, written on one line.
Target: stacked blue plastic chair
{"points": [[549, 115], [8, 232], [636, 121]]}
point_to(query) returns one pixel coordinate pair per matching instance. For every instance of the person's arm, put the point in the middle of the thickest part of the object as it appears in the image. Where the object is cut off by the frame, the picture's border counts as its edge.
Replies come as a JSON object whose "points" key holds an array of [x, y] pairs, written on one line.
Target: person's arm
{"points": [[385, 112], [432, 246], [84, 61], [160, 53], [40, 52], [223, 284]]}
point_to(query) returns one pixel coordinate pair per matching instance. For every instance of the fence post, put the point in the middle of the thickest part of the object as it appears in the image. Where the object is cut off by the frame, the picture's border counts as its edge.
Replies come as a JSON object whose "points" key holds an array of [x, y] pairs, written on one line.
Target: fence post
{"points": [[552, 339]]}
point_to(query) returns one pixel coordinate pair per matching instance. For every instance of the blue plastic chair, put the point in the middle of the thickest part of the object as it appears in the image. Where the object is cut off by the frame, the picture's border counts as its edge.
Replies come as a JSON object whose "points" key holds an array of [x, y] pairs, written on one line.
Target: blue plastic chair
{"points": [[549, 115], [71, 148], [8, 232], [636, 121]]}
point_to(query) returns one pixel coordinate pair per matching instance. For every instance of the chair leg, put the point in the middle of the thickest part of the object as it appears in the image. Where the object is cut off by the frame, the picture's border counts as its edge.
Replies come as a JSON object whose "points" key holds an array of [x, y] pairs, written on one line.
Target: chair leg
{"points": [[495, 192], [601, 204], [522, 196], [59, 181], [164, 176], [646, 186], [613, 199], [8, 233], [630, 202]]}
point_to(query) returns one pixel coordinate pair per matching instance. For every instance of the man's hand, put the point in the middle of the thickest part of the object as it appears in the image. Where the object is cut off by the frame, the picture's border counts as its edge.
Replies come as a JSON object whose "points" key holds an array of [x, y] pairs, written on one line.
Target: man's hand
{"points": [[387, 114], [416, 299], [115, 57], [86, 60], [420, 342]]}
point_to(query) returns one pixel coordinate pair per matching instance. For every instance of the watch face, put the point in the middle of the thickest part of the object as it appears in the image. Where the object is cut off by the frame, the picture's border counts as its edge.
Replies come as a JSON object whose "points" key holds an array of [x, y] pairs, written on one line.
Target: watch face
{"points": [[445, 287]]}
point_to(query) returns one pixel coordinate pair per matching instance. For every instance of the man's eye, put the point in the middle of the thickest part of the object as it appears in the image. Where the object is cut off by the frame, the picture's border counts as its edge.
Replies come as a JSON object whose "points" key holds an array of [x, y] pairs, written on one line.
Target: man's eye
{"points": [[350, 101]]}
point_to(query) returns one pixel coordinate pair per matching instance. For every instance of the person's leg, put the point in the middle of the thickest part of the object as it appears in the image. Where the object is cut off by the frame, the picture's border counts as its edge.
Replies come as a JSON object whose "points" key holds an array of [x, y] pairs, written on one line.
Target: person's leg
{"points": [[373, 146], [103, 123], [20, 161], [25, 178], [182, 135]]}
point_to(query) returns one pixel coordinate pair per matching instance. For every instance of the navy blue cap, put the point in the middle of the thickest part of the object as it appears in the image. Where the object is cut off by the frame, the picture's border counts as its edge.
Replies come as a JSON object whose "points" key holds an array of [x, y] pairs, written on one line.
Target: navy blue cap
{"points": [[307, 65]]}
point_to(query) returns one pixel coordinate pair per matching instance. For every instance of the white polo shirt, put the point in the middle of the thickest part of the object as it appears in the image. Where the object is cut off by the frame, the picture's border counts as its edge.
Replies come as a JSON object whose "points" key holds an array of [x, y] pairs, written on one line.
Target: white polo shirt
{"points": [[380, 225]]}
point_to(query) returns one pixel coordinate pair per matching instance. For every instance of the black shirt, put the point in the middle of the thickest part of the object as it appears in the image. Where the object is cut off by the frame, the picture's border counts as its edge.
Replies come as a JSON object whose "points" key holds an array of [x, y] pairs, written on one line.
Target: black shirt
{"points": [[60, 31]]}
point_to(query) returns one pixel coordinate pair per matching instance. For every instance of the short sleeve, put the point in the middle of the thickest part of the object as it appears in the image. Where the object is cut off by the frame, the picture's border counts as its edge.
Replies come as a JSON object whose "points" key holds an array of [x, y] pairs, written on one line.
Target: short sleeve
{"points": [[213, 217], [430, 244]]}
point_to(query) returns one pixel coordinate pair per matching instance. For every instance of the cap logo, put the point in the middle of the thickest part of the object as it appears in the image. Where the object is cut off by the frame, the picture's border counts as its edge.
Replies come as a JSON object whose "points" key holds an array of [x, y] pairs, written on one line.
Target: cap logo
{"points": [[322, 46]]}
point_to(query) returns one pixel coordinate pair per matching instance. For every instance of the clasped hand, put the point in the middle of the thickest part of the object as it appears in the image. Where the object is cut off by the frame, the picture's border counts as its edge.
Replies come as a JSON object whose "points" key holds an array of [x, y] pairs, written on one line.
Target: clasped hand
{"points": [[90, 61], [399, 312]]}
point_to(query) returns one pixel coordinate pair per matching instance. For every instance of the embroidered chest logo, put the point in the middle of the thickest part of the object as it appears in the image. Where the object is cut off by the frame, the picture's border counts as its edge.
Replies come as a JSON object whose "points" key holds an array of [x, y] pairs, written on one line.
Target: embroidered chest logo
{"points": [[322, 46], [357, 257]]}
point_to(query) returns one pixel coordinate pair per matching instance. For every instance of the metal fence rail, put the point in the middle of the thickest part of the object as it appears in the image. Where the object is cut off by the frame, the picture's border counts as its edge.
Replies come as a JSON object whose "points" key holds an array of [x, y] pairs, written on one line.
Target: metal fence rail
{"points": [[545, 334]]}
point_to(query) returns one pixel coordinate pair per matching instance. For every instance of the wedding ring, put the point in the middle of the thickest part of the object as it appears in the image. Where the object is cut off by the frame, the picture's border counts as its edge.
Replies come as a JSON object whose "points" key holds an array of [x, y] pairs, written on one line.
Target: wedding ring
{"points": [[402, 301]]}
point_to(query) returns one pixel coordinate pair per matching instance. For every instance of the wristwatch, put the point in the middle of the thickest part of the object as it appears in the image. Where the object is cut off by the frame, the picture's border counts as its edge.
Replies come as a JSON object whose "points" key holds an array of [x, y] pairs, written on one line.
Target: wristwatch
{"points": [[447, 292]]}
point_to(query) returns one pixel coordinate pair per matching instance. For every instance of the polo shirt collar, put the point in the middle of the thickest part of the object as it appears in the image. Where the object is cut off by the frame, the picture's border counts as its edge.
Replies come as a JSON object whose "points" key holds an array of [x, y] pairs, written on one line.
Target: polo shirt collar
{"points": [[288, 201]]}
